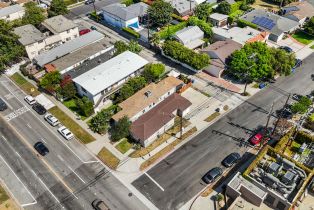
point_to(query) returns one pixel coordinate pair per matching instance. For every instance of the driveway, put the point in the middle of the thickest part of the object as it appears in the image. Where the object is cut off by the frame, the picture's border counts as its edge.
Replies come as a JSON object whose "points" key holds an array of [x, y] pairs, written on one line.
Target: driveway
{"points": [[179, 174]]}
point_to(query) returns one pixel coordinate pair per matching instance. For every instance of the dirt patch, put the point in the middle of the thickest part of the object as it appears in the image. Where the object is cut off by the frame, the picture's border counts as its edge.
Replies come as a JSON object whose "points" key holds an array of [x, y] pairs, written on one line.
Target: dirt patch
{"points": [[9, 205]]}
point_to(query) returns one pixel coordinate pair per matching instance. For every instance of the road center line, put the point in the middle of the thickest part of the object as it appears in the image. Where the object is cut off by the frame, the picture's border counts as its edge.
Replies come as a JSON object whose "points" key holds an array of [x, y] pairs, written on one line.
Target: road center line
{"points": [[28, 125], [18, 154], [17, 178], [158, 185], [4, 138]]}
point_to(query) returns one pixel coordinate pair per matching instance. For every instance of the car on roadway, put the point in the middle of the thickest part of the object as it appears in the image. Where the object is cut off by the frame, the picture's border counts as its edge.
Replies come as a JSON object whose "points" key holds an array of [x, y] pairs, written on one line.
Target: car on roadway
{"points": [[40, 109], [212, 175], [52, 120], [257, 138], [93, 28], [3, 105], [286, 48], [89, 2], [99, 205], [296, 97], [30, 100], [41, 148], [66, 133], [231, 159], [84, 31]]}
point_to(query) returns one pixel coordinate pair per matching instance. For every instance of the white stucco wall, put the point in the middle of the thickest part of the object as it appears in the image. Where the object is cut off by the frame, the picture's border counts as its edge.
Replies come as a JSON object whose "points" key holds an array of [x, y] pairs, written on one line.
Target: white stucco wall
{"points": [[14, 16], [69, 34], [33, 49]]}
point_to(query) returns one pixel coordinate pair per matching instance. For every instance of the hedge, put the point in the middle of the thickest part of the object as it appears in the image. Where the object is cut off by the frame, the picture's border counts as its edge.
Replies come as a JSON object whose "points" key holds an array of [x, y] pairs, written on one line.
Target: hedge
{"points": [[177, 17], [284, 140], [180, 53], [244, 23], [304, 137], [132, 32], [170, 30], [253, 165], [203, 25]]}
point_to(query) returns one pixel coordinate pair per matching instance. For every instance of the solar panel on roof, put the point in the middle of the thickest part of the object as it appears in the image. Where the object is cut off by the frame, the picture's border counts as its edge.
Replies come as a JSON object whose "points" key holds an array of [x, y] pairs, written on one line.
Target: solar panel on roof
{"points": [[264, 22]]}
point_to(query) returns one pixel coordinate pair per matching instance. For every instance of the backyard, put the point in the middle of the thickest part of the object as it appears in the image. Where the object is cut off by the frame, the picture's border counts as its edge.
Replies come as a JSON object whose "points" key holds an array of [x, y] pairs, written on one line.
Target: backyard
{"points": [[263, 4], [303, 37]]}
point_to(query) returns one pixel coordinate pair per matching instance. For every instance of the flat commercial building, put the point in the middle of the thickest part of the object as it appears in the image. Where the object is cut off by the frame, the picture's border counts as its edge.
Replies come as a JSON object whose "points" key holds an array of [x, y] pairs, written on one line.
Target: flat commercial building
{"points": [[97, 83]]}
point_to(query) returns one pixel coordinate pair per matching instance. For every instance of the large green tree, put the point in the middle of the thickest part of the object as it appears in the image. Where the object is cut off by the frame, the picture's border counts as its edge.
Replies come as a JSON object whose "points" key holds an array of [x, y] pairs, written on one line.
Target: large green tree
{"points": [[160, 13], [57, 7], [281, 61], [10, 50], [120, 129], [309, 26], [33, 14], [252, 62], [202, 11], [137, 83], [121, 46], [85, 106], [68, 90], [224, 8], [153, 71], [134, 46], [51, 81], [100, 122]]}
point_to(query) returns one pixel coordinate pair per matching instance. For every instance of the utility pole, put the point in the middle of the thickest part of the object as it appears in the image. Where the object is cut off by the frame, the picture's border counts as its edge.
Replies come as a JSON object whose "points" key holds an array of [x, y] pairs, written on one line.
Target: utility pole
{"points": [[279, 117], [148, 27], [94, 6], [181, 125], [266, 126]]}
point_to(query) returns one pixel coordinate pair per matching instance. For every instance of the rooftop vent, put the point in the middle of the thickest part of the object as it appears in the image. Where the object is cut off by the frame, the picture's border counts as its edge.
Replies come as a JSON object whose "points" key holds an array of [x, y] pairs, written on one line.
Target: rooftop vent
{"points": [[148, 93]]}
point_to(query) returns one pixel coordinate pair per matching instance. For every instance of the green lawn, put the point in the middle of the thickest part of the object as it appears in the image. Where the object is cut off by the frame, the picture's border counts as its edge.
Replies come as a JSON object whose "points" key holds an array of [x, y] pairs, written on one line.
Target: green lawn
{"points": [[124, 146], [3, 195], [303, 37], [68, 122], [24, 84], [70, 104], [312, 47], [108, 158]]}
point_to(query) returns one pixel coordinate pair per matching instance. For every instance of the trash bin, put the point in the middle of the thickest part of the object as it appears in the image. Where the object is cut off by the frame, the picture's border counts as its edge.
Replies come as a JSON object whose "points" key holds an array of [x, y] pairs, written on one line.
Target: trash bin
{"points": [[262, 85]]}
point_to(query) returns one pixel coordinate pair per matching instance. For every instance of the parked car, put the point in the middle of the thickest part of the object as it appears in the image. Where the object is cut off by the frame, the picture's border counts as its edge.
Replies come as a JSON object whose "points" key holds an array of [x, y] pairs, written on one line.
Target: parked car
{"points": [[296, 97], [65, 133], [3, 105], [231, 159], [99, 205], [41, 148], [297, 64], [89, 1], [84, 31], [93, 28], [212, 175], [51, 119], [40, 109], [30, 100], [257, 138], [286, 48]]}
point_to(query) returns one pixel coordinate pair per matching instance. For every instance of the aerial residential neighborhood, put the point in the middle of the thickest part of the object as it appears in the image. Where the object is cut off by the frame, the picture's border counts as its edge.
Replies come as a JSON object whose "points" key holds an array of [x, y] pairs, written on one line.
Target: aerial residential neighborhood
{"points": [[157, 104]]}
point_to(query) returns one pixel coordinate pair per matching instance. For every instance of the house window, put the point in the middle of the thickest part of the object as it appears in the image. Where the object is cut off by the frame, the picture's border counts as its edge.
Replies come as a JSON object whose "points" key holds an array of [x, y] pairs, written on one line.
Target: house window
{"points": [[68, 31], [68, 39], [41, 41], [143, 111], [168, 93], [150, 106], [83, 89]]}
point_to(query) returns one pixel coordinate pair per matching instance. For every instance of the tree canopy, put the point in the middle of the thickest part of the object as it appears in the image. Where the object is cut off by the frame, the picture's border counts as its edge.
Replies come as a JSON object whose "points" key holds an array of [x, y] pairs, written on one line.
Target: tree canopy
{"points": [[85, 106], [120, 129], [33, 14], [203, 25], [100, 122], [309, 26], [160, 13], [224, 8], [252, 61], [131, 87], [57, 7], [51, 81], [121, 46], [281, 61], [202, 11], [10, 49], [153, 71]]}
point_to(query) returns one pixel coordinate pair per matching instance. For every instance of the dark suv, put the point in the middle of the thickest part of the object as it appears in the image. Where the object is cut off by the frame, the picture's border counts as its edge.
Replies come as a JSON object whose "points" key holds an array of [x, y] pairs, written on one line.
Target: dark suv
{"points": [[231, 159], [212, 175], [99, 205], [41, 148], [3, 105], [40, 109]]}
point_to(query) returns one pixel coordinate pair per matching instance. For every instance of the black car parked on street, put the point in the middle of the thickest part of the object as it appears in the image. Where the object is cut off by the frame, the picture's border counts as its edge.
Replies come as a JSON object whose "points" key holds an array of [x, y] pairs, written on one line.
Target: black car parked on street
{"points": [[40, 109]]}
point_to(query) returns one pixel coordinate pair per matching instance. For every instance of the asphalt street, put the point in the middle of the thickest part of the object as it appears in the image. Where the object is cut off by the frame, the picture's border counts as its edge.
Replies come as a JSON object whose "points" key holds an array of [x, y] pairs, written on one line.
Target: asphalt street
{"points": [[84, 9], [69, 176], [179, 175]]}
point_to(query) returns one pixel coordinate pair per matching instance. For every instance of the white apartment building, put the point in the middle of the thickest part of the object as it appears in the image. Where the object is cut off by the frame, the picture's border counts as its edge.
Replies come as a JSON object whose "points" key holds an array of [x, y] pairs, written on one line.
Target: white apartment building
{"points": [[12, 12]]}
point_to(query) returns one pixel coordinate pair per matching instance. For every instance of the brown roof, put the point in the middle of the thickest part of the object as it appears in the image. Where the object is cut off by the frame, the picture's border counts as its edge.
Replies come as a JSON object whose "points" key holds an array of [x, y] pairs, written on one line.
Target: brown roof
{"points": [[222, 49], [140, 101], [156, 118], [4, 4], [305, 9]]}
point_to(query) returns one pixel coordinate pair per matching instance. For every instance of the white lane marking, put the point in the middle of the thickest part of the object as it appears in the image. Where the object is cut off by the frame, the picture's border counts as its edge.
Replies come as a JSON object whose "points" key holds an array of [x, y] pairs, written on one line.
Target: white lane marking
{"points": [[41, 181], [59, 156], [7, 103], [18, 154], [9, 96], [158, 185], [18, 178], [28, 125], [29, 204], [43, 140], [16, 113], [76, 174], [4, 138]]}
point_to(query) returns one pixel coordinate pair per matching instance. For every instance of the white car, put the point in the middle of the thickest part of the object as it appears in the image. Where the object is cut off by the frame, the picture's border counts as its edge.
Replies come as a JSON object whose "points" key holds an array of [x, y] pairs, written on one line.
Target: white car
{"points": [[65, 133], [52, 120], [30, 100]]}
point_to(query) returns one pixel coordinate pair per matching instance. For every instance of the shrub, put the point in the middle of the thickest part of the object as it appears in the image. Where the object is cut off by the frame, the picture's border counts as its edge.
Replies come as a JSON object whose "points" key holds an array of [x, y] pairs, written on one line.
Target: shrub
{"points": [[177, 17], [303, 137], [170, 30], [131, 32], [178, 52], [244, 23]]}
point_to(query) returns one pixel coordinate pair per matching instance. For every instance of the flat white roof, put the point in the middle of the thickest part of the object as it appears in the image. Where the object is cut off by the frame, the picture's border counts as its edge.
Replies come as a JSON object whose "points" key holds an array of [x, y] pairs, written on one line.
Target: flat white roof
{"points": [[107, 74], [10, 10], [218, 16]]}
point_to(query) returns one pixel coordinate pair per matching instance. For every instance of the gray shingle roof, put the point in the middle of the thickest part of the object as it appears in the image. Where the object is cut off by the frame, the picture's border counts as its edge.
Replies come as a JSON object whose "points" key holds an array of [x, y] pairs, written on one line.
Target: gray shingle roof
{"points": [[28, 34], [10, 10], [282, 24], [182, 6], [139, 9], [190, 36], [120, 11], [218, 16], [58, 24], [68, 47]]}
